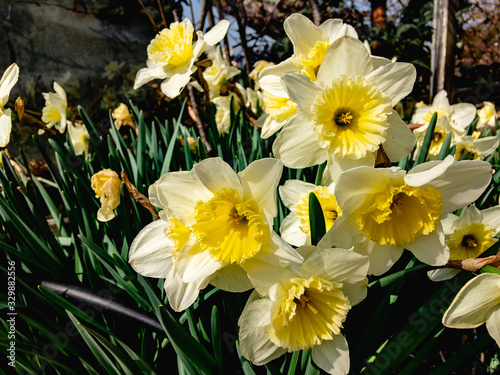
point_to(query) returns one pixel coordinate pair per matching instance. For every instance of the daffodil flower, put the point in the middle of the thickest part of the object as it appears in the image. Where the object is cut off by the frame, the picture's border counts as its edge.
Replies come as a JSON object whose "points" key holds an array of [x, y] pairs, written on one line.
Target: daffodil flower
{"points": [[478, 148], [460, 114], [213, 223], [295, 228], [468, 236], [303, 307], [487, 116], [80, 138], [219, 73], [223, 111], [347, 114], [478, 302], [310, 43], [172, 54], [385, 210], [442, 129], [122, 116], [9, 79], [54, 112], [106, 185]]}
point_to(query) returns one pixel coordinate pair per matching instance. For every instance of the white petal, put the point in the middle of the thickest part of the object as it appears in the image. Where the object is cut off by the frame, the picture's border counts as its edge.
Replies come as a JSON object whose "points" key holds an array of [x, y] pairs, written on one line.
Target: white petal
{"points": [[493, 324], [255, 344], [382, 258], [217, 33], [194, 264], [344, 233], [332, 356], [441, 100], [296, 145], [491, 217], [178, 193], [172, 86], [301, 90], [290, 231], [399, 139], [442, 274], [181, 295], [303, 34], [5, 127], [334, 28], [293, 191], [463, 114], [356, 292], [346, 56], [232, 278], [9, 79], [146, 75], [459, 183], [431, 249], [150, 252], [394, 80], [337, 164], [270, 77], [260, 181], [269, 126], [216, 175], [474, 302], [379, 61], [336, 264]]}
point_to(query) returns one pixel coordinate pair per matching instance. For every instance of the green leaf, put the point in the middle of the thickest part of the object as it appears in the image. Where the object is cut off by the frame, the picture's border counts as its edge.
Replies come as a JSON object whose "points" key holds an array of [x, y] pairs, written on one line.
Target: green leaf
{"points": [[422, 156], [316, 219]]}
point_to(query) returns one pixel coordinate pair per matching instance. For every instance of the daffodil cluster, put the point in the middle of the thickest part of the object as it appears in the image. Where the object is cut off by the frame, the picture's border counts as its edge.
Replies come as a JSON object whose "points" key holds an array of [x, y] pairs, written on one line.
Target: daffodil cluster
{"points": [[332, 103]]}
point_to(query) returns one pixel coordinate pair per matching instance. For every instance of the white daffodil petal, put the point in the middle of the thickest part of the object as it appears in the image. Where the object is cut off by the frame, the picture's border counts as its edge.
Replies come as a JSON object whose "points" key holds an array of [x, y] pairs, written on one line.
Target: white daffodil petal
{"points": [[332, 356], [216, 175], [9, 79], [356, 292], [337, 264], [178, 193], [231, 278], [150, 252], [399, 139], [463, 114], [431, 249], [260, 180], [181, 295], [291, 232], [493, 324], [302, 33], [344, 233], [346, 56], [270, 77], [474, 302], [442, 274], [254, 342], [301, 90], [299, 131], [491, 217], [395, 80], [194, 264], [173, 85], [293, 190], [217, 33], [146, 75], [5, 127], [382, 258], [441, 99], [335, 28]]}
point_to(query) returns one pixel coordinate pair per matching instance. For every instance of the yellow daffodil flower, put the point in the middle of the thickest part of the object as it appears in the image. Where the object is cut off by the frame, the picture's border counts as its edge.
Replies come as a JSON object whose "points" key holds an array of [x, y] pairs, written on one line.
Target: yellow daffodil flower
{"points": [[106, 185], [54, 112], [478, 148], [468, 236], [213, 223], [347, 114], [303, 307], [460, 114], [9, 79], [80, 138], [487, 116], [122, 116], [442, 129], [478, 302], [219, 73], [172, 54], [295, 228], [385, 210]]}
